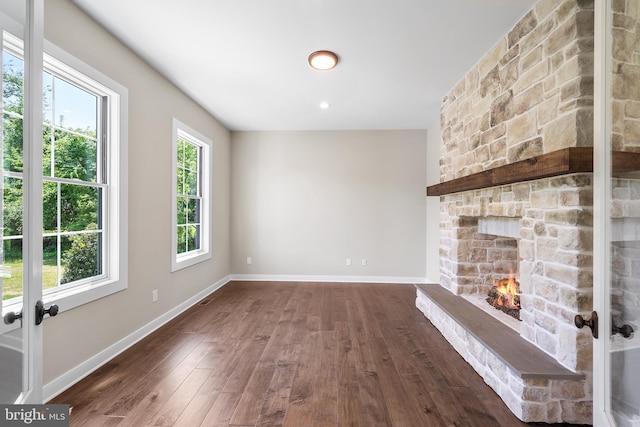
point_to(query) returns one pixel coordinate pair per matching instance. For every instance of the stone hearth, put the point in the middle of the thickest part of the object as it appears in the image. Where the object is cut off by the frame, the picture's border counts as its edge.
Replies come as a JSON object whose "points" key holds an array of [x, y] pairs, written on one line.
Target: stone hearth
{"points": [[532, 384]]}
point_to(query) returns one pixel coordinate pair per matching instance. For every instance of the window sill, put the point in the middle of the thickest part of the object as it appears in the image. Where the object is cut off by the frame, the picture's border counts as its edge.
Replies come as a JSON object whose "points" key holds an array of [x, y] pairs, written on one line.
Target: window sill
{"points": [[69, 299], [84, 294], [189, 260]]}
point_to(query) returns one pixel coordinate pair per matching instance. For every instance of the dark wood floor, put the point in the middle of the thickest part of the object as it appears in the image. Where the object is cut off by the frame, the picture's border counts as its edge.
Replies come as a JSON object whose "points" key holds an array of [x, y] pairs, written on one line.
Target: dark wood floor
{"points": [[292, 354]]}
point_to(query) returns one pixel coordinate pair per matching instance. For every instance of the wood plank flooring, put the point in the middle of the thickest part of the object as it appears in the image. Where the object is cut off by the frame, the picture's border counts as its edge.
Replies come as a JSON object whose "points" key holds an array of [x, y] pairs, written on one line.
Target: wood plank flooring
{"points": [[291, 354]]}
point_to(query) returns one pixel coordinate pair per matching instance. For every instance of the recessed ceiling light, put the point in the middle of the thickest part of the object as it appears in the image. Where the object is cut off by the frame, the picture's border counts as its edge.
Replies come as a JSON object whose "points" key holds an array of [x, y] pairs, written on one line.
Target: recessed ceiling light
{"points": [[323, 60], [324, 105]]}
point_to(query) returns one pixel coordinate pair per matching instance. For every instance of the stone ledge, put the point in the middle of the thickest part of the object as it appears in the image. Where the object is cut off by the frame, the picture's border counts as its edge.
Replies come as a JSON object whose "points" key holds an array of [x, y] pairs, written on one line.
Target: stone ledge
{"points": [[523, 358]]}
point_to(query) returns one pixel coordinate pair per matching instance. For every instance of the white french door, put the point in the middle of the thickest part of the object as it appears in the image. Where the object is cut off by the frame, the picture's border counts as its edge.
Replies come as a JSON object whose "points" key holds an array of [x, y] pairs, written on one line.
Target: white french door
{"points": [[616, 354], [20, 337]]}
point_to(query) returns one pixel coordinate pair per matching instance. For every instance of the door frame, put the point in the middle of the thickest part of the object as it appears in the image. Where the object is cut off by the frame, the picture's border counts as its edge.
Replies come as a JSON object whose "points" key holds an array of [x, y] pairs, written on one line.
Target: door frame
{"points": [[32, 257], [602, 128], [32, 201]]}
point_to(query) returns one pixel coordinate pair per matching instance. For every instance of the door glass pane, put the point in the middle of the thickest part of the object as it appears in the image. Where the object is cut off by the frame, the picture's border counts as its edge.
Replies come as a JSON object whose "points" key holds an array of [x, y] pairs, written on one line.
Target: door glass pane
{"points": [[50, 258], [12, 141], [12, 269], [13, 346], [625, 216], [12, 239]]}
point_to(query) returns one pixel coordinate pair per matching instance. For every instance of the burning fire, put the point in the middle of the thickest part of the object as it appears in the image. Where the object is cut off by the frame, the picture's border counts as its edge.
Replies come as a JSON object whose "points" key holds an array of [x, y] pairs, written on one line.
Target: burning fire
{"points": [[509, 291], [505, 296]]}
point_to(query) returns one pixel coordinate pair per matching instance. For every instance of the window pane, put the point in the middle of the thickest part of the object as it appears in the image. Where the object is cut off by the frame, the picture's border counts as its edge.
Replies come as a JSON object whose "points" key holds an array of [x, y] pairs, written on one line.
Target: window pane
{"points": [[12, 269], [193, 211], [191, 183], [180, 181], [80, 257], [191, 157], [182, 238], [75, 156], [12, 143], [74, 108], [12, 76], [193, 241], [49, 262], [49, 207], [187, 165], [12, 206], [47, 98], [47, 155], [181, 147], [182, 204], [79, 207]]}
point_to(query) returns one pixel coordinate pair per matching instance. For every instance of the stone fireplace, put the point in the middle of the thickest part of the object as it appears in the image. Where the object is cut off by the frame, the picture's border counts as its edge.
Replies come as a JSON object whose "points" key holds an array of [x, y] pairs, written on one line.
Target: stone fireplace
{"points": [[516, 198], [552, 256], [552, 260]]}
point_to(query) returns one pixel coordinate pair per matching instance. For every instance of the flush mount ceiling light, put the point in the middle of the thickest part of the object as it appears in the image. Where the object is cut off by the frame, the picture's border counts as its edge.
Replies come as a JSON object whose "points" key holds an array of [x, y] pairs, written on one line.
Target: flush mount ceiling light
{"points": [[323, 60]]}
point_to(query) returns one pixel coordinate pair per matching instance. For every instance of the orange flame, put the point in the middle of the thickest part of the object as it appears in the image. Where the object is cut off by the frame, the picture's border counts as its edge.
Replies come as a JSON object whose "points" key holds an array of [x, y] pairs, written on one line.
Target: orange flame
{"points": [[509, 289]]}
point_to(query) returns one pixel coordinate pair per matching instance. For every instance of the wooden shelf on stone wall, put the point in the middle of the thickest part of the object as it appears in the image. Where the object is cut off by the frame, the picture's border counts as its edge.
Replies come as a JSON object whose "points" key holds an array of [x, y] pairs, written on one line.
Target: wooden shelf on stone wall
{"points": [[626, 164], [561, 162]]}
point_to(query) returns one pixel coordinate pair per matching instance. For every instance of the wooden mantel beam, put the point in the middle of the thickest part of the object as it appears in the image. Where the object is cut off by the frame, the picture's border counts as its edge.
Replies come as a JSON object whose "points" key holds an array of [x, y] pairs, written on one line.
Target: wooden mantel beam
{"points": [[561, 162]]}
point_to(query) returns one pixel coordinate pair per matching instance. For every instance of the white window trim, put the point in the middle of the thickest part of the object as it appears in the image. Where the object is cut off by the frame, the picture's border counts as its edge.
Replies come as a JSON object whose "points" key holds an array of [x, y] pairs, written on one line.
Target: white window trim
{"points": [[180, 261], [116, 269]]}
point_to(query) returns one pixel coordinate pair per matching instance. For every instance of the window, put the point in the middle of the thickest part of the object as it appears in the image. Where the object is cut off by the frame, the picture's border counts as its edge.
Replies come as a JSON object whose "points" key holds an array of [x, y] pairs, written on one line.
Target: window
{"points": [[83, 178], [191, 171]]}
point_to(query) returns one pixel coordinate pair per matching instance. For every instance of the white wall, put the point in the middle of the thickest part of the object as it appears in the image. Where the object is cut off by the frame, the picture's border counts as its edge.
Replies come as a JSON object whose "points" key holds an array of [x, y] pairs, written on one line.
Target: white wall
{"points": [[76, 335], [433, 203], [304, 202]]}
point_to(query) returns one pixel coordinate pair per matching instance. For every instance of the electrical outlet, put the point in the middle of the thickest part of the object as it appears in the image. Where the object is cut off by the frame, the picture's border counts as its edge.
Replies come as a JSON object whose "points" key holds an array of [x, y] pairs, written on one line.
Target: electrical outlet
{"points": [[348, 262], [154, 295], [364, 262], [249, 260]]}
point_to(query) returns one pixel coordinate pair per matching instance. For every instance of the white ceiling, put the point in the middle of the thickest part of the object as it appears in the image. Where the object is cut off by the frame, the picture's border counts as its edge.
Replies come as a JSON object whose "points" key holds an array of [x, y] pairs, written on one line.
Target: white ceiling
{"points": [[245, 61]]}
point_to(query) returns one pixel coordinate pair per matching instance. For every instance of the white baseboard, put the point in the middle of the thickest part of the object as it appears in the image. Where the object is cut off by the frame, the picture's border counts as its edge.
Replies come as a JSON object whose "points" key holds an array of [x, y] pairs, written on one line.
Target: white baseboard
{"points": [[321, 278], [63, 382]]}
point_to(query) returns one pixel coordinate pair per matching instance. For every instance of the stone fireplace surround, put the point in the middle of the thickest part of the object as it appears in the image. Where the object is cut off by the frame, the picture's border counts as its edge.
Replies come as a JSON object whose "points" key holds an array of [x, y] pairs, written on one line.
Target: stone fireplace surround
{"points": [[530, 96], [554, 267]]}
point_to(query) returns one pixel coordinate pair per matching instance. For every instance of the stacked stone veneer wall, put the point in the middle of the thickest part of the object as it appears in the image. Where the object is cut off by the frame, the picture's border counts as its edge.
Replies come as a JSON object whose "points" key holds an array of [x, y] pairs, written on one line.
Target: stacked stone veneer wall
{"points": [[531, 94]]}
